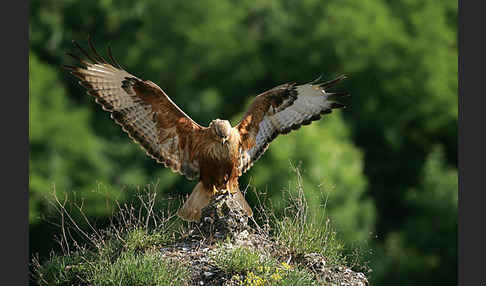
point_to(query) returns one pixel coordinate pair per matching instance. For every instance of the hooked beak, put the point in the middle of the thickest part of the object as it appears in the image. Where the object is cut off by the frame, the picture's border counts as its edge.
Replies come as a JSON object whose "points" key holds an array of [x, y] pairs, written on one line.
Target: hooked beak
{"points": [[223, 140]]}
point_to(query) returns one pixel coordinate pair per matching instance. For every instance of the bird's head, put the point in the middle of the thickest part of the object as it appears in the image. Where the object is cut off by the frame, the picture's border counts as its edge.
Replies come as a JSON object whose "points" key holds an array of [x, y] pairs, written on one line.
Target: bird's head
{"points": [[221, 129]]}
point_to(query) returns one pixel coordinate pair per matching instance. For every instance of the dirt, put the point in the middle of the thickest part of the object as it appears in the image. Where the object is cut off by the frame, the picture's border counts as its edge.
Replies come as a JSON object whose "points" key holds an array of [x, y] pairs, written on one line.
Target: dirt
{"points": [[225, 224]]}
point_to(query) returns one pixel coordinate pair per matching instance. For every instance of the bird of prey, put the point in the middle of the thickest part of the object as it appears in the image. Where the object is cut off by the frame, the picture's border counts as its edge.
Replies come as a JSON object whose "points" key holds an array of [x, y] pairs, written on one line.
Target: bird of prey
{"points": [[216, 155]]}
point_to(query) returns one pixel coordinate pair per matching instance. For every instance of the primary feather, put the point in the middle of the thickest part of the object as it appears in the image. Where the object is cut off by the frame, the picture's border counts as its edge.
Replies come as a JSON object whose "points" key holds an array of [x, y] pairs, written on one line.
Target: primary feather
{"points": [[279, 111], [216, 155]]}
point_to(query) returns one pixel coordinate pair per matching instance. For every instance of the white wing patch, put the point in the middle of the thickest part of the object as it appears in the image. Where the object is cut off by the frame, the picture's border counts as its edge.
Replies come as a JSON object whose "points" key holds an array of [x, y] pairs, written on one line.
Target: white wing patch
{"points": [[312, 101], [112, 88]]}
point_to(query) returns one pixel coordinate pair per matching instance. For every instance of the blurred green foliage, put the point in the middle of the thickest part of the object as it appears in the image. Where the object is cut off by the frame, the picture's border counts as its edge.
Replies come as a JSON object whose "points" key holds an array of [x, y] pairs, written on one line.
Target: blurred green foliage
{"points": [[386, 167]]}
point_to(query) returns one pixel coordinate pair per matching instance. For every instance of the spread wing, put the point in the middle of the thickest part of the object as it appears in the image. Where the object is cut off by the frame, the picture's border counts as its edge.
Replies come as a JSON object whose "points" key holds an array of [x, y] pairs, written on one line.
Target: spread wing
{"points": [[278, 111], [143, 110]]}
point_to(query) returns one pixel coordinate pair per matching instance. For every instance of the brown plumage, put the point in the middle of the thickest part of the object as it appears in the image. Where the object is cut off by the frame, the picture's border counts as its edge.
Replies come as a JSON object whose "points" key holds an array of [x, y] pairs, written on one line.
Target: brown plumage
{"points": [[215, 155]]}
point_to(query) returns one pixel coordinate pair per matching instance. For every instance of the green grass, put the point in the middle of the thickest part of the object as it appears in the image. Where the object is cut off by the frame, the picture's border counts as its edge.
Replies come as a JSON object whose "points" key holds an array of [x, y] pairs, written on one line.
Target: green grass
{"points": [[241, 259], [251, 267], [301, 233], [123, 261], [128, 268], [140, 239], [138, 269], [127, 253], [299, 239], [276, 276], [298, 277], [123, 254], [60, 269]]}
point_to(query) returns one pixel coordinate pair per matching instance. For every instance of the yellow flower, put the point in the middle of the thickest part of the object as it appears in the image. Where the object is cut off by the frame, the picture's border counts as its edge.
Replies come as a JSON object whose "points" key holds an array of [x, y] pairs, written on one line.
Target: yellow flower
{"points": [[254, 280], [276, 276], [286, 266]]}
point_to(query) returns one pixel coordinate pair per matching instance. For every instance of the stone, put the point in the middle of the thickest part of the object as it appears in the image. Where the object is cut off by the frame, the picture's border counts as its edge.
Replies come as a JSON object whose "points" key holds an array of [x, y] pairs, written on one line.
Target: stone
{"points": [[223, 218]]}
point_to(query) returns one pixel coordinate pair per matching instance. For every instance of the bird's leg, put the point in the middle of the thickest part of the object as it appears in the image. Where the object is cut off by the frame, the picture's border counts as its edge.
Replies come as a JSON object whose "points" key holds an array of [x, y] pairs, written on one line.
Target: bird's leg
{"points": [[224, 190], [220, 192], [215, 190]]}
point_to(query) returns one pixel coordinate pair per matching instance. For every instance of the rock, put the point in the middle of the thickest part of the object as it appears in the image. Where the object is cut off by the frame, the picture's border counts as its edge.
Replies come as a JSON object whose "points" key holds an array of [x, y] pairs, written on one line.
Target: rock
{"points": [[223, 217]]}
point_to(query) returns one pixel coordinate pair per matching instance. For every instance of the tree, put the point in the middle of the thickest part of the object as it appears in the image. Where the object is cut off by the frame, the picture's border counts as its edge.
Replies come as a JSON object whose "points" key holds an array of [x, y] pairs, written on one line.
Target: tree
{"points": [[212, 57], [425, 250]]}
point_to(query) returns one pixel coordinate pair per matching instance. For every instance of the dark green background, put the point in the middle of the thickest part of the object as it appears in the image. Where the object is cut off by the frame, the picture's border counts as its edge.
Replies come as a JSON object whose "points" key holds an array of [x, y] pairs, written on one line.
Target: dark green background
{"points": [[385, 168]]}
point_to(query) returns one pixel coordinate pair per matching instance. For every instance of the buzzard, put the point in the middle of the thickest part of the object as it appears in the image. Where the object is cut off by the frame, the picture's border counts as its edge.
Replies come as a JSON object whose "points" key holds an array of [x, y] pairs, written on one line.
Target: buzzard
{"points": [[216, 155]]}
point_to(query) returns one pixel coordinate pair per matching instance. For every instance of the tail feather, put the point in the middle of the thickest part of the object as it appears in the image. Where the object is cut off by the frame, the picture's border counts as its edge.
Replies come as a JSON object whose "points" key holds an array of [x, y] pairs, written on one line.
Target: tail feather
{"points": [[191, 210]]}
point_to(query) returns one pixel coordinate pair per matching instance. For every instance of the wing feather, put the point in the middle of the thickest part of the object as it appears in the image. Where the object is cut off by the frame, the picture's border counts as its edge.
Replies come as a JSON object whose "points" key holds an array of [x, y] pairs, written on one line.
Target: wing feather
{"points": [[281, 110], [143, 110]]}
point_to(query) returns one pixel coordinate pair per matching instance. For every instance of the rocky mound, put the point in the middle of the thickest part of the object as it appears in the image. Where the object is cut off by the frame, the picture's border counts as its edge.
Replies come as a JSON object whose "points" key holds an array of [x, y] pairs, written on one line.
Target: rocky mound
{"points": [[224, 229]]}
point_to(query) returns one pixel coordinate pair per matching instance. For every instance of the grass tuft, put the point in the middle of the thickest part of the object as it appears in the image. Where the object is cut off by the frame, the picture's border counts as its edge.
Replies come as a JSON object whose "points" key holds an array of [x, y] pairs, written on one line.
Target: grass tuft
{"points": [[140, 239], [123, 254], [138, 269], [300, 233], [129, 251], [81, 268], [299, 239], [240, 259], [251, 267]]}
